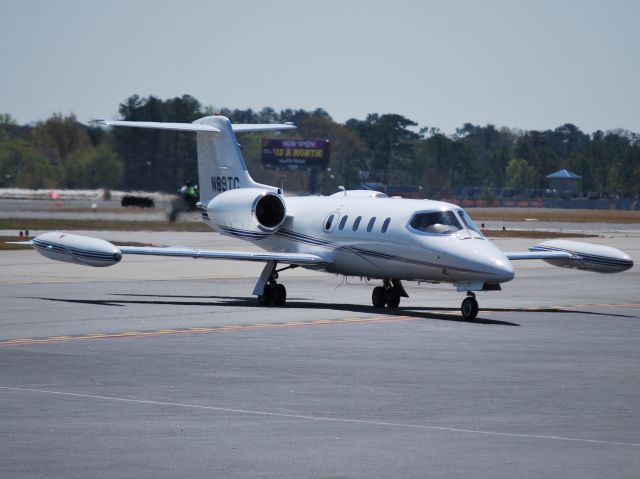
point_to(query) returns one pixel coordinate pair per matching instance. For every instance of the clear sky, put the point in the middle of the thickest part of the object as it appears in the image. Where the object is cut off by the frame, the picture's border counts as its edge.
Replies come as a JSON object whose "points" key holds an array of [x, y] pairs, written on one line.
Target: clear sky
{"points": [[531, 65]]}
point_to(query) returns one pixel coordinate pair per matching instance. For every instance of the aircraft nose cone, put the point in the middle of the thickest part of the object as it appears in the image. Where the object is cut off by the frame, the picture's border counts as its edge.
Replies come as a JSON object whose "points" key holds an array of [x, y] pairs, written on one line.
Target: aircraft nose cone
{"points": [[502, 268], [490, 262]]}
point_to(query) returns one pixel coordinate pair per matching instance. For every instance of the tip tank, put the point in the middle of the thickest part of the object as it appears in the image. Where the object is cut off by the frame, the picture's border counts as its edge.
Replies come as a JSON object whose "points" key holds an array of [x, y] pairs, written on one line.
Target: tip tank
{"points": [[587, 256], [77, 249]]}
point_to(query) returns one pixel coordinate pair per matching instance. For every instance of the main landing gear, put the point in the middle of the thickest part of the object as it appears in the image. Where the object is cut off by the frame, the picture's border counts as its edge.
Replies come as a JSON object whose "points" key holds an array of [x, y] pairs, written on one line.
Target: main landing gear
{"points": [[389, 294], [274, 294], [469, 308], [268, 290]]}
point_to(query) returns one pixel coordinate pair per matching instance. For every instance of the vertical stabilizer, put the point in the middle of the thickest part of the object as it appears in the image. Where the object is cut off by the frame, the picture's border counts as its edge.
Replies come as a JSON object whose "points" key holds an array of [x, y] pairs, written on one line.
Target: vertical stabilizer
{"points": [[221, 166]]}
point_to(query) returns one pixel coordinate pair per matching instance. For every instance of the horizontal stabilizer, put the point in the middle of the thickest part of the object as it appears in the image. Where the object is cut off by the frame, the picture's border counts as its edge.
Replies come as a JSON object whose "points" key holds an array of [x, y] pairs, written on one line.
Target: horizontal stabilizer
{"points": [[246, 128], [158, 125], [238, 128]]}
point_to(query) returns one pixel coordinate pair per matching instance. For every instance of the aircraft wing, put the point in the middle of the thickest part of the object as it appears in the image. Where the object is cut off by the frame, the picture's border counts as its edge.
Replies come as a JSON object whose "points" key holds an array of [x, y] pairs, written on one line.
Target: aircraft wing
{"points": [[90, 251], [289, 258]]}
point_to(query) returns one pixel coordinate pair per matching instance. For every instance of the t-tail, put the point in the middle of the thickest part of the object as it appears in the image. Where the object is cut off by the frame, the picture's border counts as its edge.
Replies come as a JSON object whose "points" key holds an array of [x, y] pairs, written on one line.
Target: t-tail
{"points": [[221, 166]]}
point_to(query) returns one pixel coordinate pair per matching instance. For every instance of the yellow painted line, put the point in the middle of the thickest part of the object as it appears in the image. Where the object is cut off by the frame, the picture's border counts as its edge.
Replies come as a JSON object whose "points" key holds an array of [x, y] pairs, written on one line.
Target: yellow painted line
{"points": [[217, 329], [257, 326]]}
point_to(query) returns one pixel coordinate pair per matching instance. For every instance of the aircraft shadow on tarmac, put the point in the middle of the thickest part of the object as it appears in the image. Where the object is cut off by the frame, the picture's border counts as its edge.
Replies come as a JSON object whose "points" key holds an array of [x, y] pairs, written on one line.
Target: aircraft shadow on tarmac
{"points": [[418, 312], [294, 303]]}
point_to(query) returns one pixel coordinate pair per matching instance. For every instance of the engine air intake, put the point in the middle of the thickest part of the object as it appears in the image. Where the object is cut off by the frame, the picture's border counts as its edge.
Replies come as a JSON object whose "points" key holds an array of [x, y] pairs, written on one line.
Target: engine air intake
{"points": [[270, 210]]}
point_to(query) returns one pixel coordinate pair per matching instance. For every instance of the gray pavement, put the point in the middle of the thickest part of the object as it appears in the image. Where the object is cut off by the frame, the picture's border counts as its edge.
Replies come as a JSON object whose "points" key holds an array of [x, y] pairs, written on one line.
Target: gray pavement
{"points": [[168, 368]]}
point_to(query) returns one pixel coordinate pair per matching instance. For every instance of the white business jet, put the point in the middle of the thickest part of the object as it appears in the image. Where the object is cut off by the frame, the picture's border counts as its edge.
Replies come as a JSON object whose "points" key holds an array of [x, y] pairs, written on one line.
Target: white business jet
{"points": [[354, 232]]}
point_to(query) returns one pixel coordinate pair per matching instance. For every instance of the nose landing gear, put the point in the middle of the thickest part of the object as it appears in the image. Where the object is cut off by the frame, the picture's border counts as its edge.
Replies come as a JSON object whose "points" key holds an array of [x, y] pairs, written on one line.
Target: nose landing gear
{"points": [[469, 308]]}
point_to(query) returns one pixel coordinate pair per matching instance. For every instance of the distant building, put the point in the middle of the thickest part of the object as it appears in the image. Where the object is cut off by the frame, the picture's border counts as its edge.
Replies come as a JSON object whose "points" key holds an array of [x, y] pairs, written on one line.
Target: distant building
{"points": [[565, 180]]}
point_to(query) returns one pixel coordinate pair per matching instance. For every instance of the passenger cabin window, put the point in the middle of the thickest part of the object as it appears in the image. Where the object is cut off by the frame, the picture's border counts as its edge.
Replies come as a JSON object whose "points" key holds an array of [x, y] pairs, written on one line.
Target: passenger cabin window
{"points": [[385, 225], [329, 223], [370, 225], [436, 222], [343, 222], [356, 223]]}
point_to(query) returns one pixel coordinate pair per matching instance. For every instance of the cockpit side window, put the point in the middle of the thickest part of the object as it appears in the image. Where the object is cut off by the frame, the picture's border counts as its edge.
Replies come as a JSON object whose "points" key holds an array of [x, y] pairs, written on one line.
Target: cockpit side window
{"points": [[436, 222], [469, 222]]}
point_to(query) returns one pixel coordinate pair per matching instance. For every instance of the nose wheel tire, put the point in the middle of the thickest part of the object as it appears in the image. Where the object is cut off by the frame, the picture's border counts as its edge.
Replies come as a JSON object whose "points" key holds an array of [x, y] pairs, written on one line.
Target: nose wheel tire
{"points": [[469, 308]]}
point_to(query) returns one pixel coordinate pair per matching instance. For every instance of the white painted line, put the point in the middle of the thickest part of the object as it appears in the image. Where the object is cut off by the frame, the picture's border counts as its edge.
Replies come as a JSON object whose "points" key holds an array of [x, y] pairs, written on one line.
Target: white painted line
{"points": [[320, 418]]}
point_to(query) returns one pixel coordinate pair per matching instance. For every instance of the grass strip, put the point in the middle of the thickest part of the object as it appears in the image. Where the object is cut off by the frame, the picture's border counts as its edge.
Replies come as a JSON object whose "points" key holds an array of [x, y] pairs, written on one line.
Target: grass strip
{"points": [[51, 224]]}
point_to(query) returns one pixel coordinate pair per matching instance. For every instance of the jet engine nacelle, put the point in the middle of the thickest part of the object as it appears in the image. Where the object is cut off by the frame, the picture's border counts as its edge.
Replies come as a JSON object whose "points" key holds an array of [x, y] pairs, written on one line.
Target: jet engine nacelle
{"points": [[248, 213], [77, 249], [587, 256]]}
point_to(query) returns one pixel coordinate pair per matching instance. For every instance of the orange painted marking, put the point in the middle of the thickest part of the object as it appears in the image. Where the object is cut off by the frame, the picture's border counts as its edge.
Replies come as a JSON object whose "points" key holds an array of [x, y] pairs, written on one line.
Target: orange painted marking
{"points": [[217, 329]]}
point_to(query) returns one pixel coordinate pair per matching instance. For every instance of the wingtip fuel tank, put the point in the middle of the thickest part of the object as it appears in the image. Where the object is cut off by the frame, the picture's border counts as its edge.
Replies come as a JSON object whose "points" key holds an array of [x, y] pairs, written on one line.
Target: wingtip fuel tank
{"points": [[587, 256], [77, 249]]}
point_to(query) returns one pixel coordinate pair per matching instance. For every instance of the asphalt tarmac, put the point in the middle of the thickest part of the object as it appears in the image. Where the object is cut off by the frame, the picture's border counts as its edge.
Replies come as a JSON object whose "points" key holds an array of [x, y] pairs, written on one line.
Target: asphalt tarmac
{"points": [[168, 368]]}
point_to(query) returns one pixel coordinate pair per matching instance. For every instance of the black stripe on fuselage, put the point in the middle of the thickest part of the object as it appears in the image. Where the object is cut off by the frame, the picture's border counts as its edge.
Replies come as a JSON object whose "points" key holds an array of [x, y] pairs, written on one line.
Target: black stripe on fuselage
{"points": [[310, 240], [244, 234]]}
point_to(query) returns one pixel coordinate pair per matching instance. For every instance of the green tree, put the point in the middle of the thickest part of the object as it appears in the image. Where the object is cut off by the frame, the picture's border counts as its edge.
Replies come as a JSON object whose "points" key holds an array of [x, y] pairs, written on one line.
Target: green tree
{"points": [[59, 136], [390, 143], [520, 174], [7, 119], [155, 159], [23, 166]]}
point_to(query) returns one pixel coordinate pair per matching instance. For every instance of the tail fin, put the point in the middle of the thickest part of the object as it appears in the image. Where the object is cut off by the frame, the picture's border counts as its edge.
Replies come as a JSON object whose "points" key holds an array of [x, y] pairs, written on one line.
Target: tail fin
{"points": [[221, 166]]}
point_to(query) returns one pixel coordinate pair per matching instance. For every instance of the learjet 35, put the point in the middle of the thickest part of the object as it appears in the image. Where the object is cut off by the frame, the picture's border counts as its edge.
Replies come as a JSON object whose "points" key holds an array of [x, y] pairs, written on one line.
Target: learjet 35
{"points": [[352, 232]]}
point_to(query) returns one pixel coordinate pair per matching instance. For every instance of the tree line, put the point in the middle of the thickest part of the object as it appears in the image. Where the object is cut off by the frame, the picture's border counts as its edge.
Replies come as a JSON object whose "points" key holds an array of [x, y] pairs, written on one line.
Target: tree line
{"points": [[386, 149]]}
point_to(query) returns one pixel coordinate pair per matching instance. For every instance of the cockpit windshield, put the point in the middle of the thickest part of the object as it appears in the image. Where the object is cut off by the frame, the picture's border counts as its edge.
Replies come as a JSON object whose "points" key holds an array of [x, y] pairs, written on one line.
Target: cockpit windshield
{"points": [[469, 222], [436, 222]]}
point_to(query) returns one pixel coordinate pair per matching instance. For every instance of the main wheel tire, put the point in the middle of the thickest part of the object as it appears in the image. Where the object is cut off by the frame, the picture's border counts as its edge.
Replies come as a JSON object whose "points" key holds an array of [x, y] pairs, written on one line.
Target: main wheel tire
{"points": [[279, 295], [393, 298], [379, 297], [469, 308], [266, 297]]}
